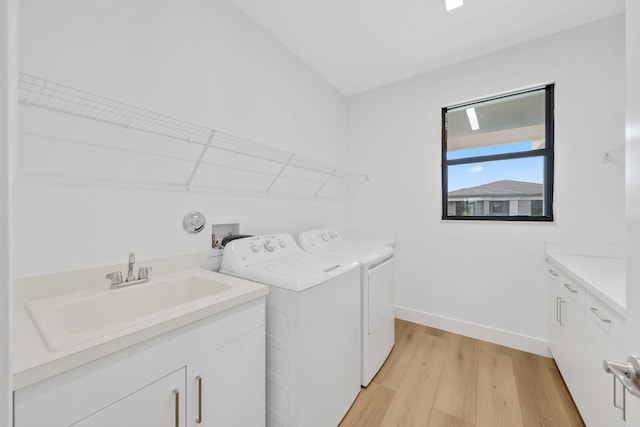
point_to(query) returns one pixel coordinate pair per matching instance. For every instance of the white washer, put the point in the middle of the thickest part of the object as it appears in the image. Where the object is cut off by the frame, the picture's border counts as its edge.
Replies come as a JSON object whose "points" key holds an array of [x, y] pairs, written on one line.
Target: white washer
{"points": [[378, 329], [313, 328]]}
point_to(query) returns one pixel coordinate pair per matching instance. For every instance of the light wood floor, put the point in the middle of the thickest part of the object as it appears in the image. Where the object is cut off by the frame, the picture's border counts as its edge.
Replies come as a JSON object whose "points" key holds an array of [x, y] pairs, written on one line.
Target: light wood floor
{"points": [[439, 379]]}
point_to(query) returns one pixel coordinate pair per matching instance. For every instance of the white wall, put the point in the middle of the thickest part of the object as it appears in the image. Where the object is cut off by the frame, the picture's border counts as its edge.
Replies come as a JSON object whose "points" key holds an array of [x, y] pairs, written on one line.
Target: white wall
{"points": [[8, 122], [199, 60], [487, 279], [205, 62]]}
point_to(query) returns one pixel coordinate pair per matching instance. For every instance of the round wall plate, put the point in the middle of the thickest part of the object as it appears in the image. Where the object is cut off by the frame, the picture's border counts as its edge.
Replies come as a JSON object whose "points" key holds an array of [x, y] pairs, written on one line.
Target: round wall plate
{"points": [[194, 222]]}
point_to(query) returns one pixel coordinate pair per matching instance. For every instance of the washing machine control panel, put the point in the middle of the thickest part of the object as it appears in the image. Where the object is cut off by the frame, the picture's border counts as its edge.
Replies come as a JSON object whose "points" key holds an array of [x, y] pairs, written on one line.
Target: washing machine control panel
{"points": [[328, 235], [263, 248], [320, 240]]}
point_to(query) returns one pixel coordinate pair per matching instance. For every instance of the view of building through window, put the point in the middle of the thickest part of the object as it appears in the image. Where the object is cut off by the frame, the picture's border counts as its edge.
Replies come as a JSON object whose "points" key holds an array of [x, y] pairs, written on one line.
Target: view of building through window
{"points": [[498, 157]]}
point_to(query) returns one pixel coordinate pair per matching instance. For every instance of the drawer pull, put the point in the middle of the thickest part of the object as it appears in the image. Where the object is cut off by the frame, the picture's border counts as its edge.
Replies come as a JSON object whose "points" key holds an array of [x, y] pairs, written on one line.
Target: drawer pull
{"points": [[571, 289], [553, 273], [199, 420], [599, 316], [176, 395]]}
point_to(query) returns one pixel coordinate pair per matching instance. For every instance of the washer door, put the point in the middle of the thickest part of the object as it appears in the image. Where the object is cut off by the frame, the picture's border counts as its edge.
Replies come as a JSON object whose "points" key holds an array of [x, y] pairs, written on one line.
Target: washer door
{"points": [[380, 304]]}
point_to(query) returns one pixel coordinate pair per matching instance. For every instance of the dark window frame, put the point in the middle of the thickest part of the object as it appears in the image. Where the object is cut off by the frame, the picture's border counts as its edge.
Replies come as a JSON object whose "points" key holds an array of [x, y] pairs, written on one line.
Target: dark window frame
{"points": [[546, 153]]}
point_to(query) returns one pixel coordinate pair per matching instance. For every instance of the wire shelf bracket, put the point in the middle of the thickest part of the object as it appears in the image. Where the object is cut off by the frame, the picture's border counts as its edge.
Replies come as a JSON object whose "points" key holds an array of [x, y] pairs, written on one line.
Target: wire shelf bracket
{"points": [[279, 174], [199, 161], [326, 181], [615, 156]]}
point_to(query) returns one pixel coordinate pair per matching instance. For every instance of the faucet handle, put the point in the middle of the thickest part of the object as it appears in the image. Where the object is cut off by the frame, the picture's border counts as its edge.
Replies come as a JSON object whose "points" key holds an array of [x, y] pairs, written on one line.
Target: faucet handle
{"points": [[132, 257], [143, 272], [115, 277]]}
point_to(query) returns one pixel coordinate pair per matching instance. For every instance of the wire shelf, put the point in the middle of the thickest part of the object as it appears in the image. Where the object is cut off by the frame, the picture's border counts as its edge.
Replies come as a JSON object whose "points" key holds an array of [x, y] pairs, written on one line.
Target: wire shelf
{"points": [[39, 92]]}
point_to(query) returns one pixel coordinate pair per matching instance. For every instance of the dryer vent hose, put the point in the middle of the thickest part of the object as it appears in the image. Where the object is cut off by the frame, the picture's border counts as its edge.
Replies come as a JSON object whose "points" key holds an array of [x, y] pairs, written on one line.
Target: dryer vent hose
{"points": [[234, 237]]}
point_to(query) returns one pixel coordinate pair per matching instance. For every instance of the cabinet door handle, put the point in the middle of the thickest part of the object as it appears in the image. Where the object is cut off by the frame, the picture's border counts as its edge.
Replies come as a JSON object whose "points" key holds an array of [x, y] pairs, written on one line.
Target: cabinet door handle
{"points": [[176, 397], [553, 273], [558, 309], [199, 380], [599, 316], [561, 302], [571, 289]]}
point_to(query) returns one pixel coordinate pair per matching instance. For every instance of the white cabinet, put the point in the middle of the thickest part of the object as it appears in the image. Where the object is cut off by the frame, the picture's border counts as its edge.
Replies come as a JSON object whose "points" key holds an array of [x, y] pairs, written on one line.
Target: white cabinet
{"points": [[155, 383], [567, 328], [583, 331], [224, 386], [160, 404], [555, 330]]}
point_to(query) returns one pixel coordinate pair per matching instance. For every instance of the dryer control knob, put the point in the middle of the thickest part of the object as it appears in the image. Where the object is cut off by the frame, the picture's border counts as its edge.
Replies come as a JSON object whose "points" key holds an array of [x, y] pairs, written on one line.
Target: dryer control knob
{"points": [[268, 245], [255, 248], [282, 244], [325, 237]]}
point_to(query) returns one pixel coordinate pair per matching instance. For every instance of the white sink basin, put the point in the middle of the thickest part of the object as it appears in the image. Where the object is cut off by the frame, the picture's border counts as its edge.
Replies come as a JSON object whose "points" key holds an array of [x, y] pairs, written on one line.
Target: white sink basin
{"points": [[102, 315]]}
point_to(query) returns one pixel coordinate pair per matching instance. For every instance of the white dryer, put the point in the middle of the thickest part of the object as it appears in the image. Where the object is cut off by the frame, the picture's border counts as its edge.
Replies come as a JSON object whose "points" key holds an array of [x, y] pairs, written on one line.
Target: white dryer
{"points": [[313, 328], [377, 284]]}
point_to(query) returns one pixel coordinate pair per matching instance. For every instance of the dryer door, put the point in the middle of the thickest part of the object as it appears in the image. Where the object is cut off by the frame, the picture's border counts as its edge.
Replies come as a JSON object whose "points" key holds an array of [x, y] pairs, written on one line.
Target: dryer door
{"points": [[380, 304]]}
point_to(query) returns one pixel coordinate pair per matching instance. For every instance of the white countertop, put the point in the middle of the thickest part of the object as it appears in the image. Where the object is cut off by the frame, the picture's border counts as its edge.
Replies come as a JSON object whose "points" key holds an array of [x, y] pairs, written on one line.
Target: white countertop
{"points": [[600, 269], [32, 361]]}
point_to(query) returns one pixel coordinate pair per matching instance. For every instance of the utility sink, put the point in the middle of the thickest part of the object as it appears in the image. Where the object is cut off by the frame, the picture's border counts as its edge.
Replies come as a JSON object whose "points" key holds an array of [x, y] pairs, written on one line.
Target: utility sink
{"points": [[101, 315]]}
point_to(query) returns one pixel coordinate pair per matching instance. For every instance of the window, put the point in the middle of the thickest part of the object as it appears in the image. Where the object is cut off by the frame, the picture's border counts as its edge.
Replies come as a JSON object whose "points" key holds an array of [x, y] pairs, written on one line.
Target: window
{"points": [[499, 208], [497, 158], [536, 208], [463, 208]]}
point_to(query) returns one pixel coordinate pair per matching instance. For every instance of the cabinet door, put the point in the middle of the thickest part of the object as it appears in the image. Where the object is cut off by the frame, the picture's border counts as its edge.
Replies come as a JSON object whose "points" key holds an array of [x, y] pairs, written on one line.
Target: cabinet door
{"points": [[554, 327], [605, 337], [380, 303], [227, 387], [567, 335], [160, 404], [571, 363]]}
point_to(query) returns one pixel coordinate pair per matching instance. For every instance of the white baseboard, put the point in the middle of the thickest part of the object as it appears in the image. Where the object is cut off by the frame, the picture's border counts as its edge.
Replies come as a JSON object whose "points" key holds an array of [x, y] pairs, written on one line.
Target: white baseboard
{"points": [[485, 333]]}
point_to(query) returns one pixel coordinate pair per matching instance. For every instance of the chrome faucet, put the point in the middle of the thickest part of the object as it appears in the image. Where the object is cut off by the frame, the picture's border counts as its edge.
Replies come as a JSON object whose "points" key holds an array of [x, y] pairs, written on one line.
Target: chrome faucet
{"points": [[132, 260], [116, 276]]}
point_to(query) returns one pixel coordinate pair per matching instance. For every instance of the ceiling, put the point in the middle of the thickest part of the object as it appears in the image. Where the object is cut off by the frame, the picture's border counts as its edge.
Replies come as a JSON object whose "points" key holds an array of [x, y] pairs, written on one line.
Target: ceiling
{"points": [[526, 109], [359, 45], [509, 120]]}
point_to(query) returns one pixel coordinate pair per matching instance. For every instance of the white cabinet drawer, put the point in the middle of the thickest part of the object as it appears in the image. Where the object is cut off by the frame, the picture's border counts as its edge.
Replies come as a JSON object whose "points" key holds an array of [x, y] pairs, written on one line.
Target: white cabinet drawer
{"points": [[570, 290], [607, 320]]}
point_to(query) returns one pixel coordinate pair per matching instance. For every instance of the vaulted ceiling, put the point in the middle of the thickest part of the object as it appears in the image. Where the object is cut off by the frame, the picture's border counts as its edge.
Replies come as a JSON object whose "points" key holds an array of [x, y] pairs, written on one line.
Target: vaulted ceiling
{"points": [[358, 45]]}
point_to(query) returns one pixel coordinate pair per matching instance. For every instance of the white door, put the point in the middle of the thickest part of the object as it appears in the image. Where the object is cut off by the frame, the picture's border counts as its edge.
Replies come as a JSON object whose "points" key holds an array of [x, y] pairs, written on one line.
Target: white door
{"points": [[633, 192], [8, 126]]}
